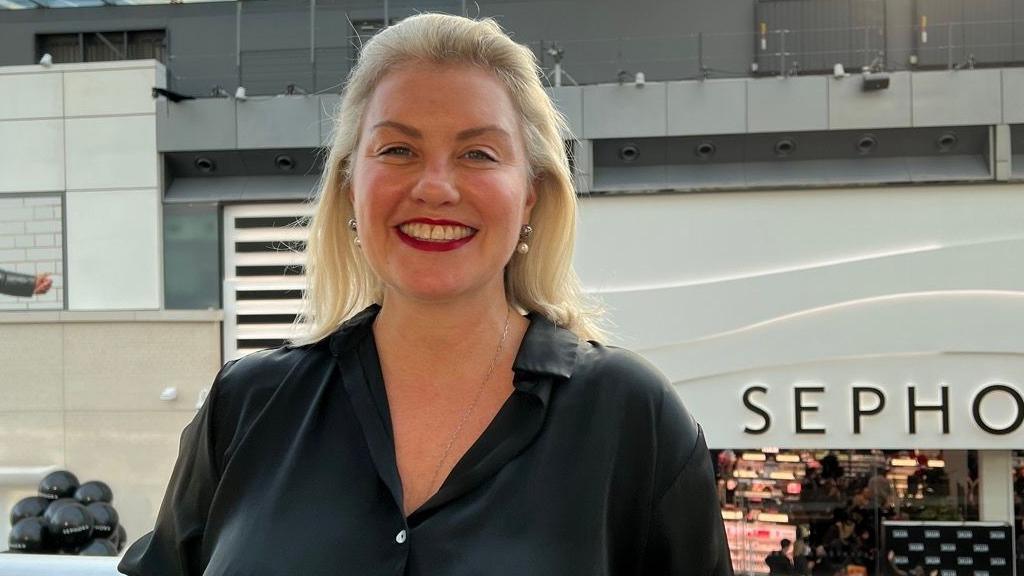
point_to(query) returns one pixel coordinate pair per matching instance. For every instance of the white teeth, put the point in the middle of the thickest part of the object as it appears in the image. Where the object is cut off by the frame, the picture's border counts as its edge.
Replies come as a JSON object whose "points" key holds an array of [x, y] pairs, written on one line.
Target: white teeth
{"points": [[432, 233]]}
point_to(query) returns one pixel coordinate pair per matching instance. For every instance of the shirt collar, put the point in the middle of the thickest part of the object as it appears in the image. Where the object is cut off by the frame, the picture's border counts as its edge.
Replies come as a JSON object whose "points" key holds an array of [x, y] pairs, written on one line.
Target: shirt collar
{"points": [[546, 348]]}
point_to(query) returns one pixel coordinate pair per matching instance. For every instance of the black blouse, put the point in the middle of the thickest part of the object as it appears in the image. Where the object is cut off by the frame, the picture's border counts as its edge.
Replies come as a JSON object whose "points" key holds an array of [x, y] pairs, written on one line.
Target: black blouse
{"points": [[591, 467]]}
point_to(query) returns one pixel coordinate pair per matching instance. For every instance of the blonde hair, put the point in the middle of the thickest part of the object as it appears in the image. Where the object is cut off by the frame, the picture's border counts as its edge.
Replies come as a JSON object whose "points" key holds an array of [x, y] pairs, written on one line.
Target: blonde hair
{"points": [[339, 282]]}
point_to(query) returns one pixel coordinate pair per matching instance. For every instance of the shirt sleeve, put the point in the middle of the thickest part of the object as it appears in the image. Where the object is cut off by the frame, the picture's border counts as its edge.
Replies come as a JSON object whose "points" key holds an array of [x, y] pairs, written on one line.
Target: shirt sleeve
{"points": [[173, 547], [15, 284], [687, 535]]}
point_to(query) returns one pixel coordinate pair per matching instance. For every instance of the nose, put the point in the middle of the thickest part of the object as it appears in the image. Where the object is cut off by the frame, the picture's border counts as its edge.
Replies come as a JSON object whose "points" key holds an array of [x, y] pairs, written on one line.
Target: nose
{"points": [[436, 183]]}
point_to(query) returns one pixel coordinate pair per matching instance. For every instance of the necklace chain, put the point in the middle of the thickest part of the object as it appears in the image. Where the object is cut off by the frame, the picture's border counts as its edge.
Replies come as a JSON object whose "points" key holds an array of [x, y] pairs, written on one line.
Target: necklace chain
{"points": [[476, 400]]}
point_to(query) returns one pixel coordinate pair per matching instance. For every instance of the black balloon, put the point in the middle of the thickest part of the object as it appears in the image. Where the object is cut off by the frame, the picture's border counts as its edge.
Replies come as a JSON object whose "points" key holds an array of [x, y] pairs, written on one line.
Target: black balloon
{"points": [[104, 518], [99, 547], [71, 526], [29, 536], [59, 484], [28, 507], [57, 505], [121, 537], [94, 491]]}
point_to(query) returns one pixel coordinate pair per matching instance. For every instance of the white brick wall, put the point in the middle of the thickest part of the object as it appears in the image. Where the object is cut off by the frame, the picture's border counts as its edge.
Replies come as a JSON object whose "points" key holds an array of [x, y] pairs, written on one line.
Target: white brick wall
{"points": [[31, 242]]}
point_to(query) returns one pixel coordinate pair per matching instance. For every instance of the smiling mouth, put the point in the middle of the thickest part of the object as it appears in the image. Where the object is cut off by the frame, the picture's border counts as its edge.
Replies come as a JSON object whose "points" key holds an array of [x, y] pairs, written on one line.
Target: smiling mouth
{"points": [[435, 232]]}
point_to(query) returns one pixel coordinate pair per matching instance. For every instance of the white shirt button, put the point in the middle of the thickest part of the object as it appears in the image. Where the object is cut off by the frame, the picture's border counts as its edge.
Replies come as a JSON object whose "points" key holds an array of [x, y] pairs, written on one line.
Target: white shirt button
{"points": [[400, 537]]}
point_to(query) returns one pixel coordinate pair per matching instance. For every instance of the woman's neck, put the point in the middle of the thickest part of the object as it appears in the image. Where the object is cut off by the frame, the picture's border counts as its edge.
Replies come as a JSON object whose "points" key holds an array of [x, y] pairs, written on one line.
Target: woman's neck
{"points": [[463, 332]]}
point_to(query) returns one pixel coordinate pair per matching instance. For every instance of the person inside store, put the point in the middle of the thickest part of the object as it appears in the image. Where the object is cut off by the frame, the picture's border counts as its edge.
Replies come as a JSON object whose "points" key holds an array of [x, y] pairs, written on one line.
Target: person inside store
{"points": [[450, 409], [778, 561], [15, 284]]}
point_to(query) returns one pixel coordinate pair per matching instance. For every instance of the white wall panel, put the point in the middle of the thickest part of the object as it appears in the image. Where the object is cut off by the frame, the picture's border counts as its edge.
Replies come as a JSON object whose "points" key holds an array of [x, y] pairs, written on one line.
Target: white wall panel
{"points": [[957, 98], [31, 155], [1013, 96], [850, 107], [113, 240], [787, 104], [31, 96], [826, 286], [696, 108], [624, 111], [111, 152], [109, 92]]}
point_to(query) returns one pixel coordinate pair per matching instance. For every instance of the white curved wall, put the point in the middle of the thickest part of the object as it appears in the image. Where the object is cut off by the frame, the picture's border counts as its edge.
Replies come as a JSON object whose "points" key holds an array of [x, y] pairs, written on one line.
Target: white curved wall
{"points": [[896, 287]]}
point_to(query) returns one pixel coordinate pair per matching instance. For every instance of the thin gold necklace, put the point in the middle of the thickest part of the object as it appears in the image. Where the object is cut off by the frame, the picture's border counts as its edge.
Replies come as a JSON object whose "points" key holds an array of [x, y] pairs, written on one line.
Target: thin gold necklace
{"points": [[469, 411]]}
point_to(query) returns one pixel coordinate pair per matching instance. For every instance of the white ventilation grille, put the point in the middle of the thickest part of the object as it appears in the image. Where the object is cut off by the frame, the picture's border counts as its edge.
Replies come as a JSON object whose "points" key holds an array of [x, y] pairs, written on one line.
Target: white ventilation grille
{"points": [[264, 274]]}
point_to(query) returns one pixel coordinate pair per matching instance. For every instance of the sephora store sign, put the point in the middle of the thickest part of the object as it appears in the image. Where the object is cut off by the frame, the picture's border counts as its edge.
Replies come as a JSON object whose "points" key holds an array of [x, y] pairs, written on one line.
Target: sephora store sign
{"points": [[888, 405]]}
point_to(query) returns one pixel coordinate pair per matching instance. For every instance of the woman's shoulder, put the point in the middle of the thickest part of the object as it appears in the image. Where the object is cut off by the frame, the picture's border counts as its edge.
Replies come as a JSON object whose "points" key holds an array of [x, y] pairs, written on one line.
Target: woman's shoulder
{"points": [[244, 386], [267, 368], [632, 383]]}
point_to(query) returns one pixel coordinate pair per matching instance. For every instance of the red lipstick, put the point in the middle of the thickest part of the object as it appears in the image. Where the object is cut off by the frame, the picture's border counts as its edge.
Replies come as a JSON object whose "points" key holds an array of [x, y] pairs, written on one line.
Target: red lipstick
{"points": [[434, 245]]}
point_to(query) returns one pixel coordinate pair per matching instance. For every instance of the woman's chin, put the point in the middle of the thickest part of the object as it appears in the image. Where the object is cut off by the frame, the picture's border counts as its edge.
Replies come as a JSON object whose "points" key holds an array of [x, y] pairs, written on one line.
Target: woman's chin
{"points": [[435, 290]]}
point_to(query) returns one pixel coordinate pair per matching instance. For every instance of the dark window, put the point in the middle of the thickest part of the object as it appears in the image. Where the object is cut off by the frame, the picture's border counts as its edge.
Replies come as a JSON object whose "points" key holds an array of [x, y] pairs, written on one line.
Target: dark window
{"points": [[103, 46]]}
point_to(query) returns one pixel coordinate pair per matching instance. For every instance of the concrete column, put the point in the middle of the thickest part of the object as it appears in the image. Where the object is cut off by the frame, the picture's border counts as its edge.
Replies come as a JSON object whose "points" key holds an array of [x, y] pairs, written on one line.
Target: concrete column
{"points": [[995, 491], [1000, 153]]}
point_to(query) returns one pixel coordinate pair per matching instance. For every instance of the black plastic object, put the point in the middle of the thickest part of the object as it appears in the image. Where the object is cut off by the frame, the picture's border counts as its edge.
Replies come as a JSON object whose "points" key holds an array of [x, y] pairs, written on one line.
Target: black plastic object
{"points": [[28, 508], [59, 484], [104, 518], [99, 547], [29, 536], [71, 526], [94, 491]]}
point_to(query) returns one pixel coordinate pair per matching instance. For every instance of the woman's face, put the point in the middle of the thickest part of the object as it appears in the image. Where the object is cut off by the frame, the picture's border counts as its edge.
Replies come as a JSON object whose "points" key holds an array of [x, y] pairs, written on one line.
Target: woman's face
{"points": [[440, 182]]}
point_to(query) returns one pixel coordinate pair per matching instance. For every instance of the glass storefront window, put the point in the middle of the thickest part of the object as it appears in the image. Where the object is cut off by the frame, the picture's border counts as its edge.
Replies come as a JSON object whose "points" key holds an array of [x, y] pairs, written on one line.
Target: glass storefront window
{"points": [[829, 505], [1018, 505]]}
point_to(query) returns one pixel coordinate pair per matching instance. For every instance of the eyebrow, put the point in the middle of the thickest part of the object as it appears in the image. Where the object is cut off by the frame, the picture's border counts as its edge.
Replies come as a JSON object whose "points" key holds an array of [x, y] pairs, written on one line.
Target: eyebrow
{"points": [[463, 135]]}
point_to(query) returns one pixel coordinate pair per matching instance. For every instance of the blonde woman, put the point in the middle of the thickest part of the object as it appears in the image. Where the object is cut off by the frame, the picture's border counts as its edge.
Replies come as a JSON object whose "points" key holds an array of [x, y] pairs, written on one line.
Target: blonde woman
{"points": [[450, 411]]}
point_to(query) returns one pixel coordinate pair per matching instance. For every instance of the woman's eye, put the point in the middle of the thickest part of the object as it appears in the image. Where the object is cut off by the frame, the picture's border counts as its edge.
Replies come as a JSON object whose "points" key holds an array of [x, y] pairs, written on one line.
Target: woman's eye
{"points": [[396, 151], [479, 155]]}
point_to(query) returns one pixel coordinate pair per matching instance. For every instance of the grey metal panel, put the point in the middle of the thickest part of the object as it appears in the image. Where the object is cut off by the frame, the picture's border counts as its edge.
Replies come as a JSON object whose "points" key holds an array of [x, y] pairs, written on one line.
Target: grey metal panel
{"points": [[851, 107], [900, 34], [988, 30], [202, 124], [787, 104], [569, 101], [825, 37], [328, 105], [640, 178], [280, 187], [615, 111], [279, 122], [709, 107], [783, 21], [1017, 31], [945, 33], [802, 173], [650, 152], [1001, 152], [957, 98], [241, 188], [868, 35], [1013, 95], [943, 169]]}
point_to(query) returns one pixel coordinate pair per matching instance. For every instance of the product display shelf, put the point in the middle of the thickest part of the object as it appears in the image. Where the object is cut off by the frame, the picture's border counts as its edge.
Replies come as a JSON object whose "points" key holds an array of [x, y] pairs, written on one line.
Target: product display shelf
{"points": [[751, 542]]}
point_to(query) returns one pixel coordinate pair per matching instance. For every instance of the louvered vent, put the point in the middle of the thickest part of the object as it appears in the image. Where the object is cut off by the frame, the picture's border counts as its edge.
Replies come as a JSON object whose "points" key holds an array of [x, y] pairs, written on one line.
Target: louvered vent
{"points": [[264, 271]]}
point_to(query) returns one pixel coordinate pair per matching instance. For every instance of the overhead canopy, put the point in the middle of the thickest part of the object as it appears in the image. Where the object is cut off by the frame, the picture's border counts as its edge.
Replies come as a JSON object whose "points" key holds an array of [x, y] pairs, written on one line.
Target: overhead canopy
{"points": [[241, 189]]}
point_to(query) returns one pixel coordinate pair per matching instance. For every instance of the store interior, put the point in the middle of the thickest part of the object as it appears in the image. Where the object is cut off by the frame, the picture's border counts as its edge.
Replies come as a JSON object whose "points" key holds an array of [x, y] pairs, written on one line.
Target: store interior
{"points": [[830, 504]]}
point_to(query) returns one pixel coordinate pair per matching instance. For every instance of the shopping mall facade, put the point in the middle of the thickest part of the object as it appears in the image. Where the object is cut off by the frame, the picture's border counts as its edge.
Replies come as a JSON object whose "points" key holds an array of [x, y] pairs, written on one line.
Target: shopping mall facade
{"points": [[828, 269]]}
